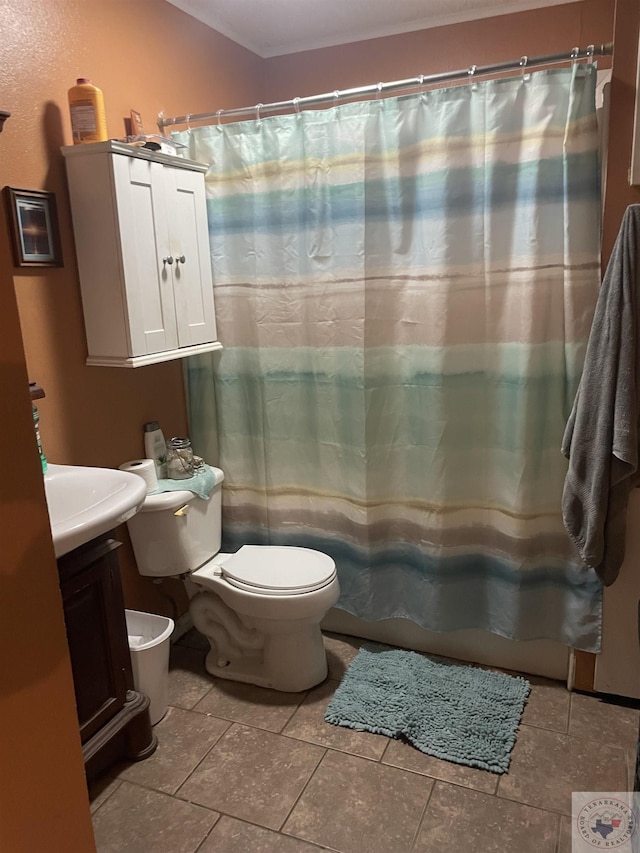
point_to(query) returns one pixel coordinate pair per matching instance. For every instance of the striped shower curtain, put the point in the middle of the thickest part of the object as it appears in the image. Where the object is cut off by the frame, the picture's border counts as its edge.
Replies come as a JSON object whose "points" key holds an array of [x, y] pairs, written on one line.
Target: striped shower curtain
{"points": [[404, 289]]}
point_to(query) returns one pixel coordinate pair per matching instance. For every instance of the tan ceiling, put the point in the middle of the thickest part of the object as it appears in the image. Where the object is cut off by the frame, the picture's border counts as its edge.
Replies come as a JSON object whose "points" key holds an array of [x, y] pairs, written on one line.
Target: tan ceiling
{"points": [[276, 27]]}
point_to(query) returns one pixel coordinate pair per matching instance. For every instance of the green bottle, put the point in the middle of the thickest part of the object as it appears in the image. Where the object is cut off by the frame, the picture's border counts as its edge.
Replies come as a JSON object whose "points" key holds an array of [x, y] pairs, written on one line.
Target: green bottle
{"points": [[36, 420]]}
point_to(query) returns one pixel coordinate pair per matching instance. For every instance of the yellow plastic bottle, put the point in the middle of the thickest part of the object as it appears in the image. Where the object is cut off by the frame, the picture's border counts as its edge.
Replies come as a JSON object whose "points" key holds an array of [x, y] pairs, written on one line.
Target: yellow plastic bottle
{"points": [[86, 105]]}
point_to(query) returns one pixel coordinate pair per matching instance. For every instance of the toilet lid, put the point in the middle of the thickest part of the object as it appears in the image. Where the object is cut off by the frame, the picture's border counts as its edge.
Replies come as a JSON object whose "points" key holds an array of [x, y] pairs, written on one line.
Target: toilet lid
{"points": [[279, 570]]}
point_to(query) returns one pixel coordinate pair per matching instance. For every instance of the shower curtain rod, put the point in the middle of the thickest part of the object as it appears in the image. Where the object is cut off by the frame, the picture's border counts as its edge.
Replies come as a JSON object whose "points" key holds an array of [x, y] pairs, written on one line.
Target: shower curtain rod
{"points": [[524, 63]]}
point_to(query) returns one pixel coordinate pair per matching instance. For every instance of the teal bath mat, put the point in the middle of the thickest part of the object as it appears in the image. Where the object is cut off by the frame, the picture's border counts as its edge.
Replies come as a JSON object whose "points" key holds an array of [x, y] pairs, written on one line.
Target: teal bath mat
{"points": [[452, 711]]}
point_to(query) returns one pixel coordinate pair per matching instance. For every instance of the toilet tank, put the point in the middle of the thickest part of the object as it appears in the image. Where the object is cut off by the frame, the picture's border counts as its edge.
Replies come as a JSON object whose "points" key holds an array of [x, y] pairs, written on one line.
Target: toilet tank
{"points": [[176, 532]]}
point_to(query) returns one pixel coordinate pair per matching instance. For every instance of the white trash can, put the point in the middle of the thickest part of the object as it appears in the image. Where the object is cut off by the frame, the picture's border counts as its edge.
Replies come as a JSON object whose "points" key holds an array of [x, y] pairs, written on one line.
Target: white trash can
{"points": [[149, 640]]}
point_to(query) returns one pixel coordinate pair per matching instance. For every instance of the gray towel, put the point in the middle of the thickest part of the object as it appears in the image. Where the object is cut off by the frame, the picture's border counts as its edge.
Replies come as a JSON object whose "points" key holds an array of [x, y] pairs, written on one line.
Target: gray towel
{"points": [[601, 436]]}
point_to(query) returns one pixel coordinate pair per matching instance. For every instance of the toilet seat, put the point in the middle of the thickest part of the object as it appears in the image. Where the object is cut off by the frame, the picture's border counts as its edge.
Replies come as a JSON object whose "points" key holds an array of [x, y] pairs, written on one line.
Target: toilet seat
{"points": [[278, 570]]}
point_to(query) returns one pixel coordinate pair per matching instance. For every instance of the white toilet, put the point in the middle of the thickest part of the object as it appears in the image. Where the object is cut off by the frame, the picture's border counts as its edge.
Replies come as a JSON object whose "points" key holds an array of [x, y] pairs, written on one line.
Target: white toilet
{"points": [[259, 608]]}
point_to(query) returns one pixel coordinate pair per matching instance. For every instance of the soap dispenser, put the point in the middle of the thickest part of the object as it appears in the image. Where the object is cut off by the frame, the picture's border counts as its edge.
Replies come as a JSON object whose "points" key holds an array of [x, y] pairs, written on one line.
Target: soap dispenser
{"points": [[36, 394], [36, 422]]}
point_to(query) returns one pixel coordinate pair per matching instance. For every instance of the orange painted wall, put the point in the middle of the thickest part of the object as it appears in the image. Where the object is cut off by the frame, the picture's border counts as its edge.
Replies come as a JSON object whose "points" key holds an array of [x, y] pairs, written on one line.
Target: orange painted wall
{"points": [[146, 55], [43, 796], [506, 37]]}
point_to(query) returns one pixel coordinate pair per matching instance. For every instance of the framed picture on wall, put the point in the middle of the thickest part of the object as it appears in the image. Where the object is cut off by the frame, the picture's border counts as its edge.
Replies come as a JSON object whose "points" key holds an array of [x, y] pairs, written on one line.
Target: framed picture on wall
{"points": [[33, 227]]}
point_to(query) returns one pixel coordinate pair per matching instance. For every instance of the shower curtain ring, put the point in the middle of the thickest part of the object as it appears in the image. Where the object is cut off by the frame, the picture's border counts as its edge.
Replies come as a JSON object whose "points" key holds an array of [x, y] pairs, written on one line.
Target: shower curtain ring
{"points": [[219, 116], [296, 104], [258, 108], [575, 53], [590, 53], [524, 61], [188, 122], [336, 96], [472, 70], [379, 92]]}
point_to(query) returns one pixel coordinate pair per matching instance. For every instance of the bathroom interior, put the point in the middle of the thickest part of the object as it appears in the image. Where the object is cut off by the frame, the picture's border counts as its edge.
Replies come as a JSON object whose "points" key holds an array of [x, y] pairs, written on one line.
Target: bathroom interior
{"points": [[151, 56]]}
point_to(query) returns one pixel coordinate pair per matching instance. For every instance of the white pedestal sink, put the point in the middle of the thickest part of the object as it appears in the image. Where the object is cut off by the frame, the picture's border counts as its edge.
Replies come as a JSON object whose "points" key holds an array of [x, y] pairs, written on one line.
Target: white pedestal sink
{"points": [[87, 502]]}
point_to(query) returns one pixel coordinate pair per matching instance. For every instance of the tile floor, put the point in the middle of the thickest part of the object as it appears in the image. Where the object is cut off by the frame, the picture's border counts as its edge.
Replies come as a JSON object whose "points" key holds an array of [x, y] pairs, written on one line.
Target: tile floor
{"points": [[240, 769]]}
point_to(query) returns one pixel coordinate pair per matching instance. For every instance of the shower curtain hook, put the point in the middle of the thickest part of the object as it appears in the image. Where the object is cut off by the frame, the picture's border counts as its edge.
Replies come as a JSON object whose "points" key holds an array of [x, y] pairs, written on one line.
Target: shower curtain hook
{"points": [[524, 61], [575, 53], [258, 108], [591, 49], [219, 116], [296, 104], [379, 92], [336, 97], [188, 122], [471, 72]]}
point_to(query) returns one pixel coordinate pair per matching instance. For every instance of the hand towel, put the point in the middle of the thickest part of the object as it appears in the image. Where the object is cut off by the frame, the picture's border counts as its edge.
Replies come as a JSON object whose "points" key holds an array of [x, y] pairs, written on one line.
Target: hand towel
{"points": [[202, 484], [601, 436]]}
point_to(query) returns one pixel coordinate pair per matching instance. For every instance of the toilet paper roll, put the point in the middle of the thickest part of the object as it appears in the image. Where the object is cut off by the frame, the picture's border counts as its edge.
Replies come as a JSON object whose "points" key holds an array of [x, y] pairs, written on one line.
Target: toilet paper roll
{"points": [[144, 468]]}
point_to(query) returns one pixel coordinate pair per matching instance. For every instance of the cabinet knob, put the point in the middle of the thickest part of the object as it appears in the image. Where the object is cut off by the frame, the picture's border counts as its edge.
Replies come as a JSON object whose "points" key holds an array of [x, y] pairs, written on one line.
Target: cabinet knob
{"points": [[168, 260], [180, 260]]}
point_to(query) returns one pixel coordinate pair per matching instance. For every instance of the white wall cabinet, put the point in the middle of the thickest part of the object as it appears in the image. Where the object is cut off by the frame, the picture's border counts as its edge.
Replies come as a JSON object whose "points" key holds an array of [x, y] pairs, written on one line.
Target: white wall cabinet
{"points": [[140, 225]]}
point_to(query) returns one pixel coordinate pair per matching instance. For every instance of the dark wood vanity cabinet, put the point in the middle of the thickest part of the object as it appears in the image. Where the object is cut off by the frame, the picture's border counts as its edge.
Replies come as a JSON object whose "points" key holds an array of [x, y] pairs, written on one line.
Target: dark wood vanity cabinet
{"points": [[113, 717], [96, 632]]}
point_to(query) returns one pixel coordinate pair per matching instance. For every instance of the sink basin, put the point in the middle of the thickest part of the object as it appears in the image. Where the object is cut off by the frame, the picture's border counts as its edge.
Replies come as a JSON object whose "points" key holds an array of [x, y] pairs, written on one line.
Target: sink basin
{"points": [[86, 502]]}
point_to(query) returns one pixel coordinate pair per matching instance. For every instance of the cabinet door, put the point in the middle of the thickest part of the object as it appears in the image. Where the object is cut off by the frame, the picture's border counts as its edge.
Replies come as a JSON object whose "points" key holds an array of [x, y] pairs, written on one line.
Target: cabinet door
{"points": [[96, 633], [189, 239], [144, 236]]}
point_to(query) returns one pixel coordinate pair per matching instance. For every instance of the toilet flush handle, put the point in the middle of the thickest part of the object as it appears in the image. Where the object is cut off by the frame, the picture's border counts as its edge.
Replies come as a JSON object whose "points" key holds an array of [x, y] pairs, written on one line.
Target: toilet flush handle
{"points": [[182, 511]]}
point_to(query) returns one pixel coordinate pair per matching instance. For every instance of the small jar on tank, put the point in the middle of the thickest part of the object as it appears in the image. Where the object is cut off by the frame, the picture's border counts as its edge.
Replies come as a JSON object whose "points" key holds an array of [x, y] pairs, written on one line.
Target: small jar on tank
{"points": [[179, 459]]}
